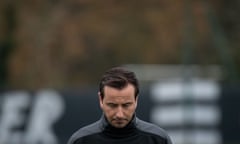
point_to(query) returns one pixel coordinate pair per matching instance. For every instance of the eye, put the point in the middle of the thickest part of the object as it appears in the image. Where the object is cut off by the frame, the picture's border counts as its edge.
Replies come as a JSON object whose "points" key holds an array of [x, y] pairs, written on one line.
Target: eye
{"points": [[112, 105], [127, 105]]}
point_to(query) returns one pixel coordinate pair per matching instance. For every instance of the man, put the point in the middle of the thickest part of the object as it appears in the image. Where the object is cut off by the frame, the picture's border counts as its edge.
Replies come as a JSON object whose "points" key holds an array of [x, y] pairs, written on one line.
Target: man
{"points": [[118, 97]]}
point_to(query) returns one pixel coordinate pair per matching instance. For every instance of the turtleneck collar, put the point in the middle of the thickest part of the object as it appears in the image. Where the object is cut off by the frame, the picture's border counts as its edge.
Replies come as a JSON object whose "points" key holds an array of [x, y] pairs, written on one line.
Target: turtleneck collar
{"points": [[128, 130]]}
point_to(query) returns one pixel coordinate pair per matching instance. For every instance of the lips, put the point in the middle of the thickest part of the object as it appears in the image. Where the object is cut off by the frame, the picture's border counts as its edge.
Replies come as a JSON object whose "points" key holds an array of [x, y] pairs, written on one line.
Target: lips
{"points": [[119, 121]]}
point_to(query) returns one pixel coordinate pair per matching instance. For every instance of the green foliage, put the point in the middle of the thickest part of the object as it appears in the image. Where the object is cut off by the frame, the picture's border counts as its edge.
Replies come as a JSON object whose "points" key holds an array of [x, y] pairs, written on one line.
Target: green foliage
{"points": [[70, 43]]}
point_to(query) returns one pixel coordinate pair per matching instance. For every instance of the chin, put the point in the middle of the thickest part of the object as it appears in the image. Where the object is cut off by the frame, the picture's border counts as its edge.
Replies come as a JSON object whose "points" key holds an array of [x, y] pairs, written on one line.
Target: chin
{"points": [[119, 125]]}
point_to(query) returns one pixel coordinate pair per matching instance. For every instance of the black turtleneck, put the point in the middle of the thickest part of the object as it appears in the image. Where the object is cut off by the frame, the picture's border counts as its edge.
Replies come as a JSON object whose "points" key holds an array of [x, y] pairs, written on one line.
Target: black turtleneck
{"points": [[136, 132], [119, 133]]}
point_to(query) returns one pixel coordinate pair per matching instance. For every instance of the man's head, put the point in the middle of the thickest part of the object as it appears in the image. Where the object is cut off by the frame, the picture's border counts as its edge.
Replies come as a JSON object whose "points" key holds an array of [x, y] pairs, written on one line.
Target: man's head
{"points": [[118, 94]]}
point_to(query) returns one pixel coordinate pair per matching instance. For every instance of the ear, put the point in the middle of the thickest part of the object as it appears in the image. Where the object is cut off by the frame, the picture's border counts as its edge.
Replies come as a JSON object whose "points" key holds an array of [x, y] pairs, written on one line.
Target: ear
{"points": [[100, 99], [136, 102]]}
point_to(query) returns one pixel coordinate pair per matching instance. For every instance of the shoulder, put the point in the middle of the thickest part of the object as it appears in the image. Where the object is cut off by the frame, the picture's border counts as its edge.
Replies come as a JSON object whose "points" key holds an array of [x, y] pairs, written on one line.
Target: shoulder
{"points": [[85, 131], [152, 129]]}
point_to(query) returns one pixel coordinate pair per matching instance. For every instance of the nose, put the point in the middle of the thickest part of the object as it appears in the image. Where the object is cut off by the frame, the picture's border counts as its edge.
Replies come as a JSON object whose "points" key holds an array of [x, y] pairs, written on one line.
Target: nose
{"points": [[119, 113]]}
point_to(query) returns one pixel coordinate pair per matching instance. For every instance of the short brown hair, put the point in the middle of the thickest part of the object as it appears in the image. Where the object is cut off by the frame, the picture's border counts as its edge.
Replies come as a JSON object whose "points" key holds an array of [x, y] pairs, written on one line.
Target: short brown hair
{"points": [[118, 77]]}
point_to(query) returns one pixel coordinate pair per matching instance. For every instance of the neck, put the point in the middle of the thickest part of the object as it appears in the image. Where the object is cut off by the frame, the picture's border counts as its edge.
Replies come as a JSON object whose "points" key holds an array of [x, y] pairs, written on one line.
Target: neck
{"points": [[112, 131]]}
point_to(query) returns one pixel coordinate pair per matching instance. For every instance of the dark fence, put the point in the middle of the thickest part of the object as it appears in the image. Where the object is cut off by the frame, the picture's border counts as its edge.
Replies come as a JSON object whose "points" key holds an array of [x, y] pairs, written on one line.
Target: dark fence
{"points": [[51, 116]]}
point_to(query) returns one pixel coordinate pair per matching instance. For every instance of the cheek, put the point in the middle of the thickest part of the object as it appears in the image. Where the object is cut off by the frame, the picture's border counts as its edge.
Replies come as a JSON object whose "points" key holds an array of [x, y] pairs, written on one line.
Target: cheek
{"points": [[108, 111], [129, 111], [133, 109]]}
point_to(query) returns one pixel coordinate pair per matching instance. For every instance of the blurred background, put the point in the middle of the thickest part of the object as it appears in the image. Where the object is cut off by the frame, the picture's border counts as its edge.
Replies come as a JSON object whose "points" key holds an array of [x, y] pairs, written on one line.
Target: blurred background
{"points": [[186, 54]]}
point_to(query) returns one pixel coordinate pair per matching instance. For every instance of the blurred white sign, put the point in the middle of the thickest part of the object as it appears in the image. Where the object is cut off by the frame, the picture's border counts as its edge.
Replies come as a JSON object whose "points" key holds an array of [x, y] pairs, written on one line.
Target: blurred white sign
{"points": [[189, 108], [19, 127]]}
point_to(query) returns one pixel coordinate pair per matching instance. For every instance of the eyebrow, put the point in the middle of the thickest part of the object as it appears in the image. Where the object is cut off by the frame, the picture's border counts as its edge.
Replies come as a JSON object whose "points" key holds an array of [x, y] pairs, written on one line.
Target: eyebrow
{"points": [[119, 104]]}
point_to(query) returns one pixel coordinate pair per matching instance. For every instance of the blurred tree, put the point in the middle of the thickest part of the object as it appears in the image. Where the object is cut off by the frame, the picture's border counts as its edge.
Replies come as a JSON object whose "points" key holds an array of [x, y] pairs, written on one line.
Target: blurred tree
{"points": [[70, 42], [228, 14], [7, 25]]}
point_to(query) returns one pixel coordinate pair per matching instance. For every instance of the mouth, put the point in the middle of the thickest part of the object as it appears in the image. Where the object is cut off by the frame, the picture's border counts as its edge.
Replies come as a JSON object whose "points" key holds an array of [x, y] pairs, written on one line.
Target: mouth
{"points": [[119, 121]]}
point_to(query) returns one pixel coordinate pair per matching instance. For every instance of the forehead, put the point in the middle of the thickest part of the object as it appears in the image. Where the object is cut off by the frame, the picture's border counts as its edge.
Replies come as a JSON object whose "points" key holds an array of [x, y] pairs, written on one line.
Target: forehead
{"points": [[127, 91]]}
